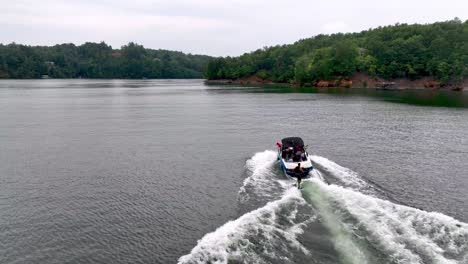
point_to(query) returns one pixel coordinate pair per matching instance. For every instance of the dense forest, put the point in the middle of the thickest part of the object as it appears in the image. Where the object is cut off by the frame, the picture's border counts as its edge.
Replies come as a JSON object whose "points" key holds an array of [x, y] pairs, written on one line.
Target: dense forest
{"points": [[97, 60], [438, 50]]}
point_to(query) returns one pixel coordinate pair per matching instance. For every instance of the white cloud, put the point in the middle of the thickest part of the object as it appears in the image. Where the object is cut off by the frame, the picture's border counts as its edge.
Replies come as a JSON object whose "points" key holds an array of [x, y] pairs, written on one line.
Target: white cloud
{"points": [[214, 27], [334, 27]]}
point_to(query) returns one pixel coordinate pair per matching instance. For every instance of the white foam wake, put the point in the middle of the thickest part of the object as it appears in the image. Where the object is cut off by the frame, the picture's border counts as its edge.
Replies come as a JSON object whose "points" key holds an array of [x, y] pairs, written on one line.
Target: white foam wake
{"points": [[364, 228], [263, 181], [265, 234], [348, 177], [405, 234], [348, 249]]}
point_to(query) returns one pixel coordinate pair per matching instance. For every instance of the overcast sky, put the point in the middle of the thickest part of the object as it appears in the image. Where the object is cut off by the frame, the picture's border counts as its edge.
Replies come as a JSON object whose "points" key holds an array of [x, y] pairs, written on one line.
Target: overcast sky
{"points": [[213, 27]]}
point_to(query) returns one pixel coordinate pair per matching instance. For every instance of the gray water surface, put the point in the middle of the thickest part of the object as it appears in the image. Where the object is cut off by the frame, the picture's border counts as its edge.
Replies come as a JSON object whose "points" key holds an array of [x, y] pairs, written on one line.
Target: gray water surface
{"points": [[137, 171]]}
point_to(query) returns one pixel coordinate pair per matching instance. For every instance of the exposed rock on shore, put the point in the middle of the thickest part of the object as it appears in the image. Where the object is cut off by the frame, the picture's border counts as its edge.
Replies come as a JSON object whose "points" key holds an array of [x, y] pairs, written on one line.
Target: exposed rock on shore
{"points": [[359, 80]]}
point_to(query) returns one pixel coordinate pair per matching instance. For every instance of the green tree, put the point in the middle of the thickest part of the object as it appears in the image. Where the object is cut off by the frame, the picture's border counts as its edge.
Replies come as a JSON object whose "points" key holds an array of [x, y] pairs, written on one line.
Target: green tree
{"points": [[439, 50]]}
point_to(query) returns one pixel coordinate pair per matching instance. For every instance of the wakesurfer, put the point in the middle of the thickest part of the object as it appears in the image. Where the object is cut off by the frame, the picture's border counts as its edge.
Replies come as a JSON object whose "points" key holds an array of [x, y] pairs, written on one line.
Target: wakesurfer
{"points": [[298, 172]]}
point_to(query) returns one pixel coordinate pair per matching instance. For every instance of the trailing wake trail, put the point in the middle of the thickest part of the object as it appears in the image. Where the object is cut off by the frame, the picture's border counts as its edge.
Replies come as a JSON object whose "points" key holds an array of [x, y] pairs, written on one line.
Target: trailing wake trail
{"points": [[341, 222], [348, 248], [263, 183], [267, 234], [396, 232], [400, 233]]}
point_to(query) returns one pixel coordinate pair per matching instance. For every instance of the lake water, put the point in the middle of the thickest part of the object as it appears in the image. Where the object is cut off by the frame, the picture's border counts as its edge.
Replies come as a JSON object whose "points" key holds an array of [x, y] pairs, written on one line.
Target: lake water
{"points": [[167, 171]]}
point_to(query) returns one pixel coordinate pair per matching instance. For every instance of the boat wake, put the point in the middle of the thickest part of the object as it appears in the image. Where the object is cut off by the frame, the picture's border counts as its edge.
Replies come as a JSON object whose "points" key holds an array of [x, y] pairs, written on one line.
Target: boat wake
{"points": [[342, 176], [260, 236], [262, 183], [342, 222], [400, 233]]}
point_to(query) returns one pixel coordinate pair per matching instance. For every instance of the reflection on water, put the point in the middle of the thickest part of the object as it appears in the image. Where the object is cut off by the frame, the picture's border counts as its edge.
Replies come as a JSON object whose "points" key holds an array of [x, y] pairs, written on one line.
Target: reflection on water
{"points": [[440, 98], [94, 83], [427, 97]]}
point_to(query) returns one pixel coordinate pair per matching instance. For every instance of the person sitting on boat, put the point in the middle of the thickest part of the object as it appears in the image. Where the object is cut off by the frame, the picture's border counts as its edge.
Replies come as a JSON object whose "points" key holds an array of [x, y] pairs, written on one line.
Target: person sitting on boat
{"points": [[289, 154], [297, 155], [284, 154], [298, 171]]}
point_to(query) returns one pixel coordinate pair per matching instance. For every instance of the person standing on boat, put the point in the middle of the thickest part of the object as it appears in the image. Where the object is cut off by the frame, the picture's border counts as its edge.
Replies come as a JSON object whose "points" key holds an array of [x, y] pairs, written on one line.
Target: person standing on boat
{"points": [[298, 171]]}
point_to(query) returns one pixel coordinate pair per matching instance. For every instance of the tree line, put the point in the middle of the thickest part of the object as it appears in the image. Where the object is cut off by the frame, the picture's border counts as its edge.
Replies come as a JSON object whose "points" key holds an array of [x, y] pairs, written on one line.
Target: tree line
{"points": [[438, 50], [97, 60]]}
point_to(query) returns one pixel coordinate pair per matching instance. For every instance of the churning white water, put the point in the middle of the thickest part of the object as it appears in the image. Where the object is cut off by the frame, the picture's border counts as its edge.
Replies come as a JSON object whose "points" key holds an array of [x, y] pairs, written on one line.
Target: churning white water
{"points": [[363, 228]]}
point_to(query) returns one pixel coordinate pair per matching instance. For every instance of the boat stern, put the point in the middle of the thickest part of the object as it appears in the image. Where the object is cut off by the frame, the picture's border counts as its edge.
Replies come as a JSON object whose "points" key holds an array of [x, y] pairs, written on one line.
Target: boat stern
{"points": [[288, 167]]}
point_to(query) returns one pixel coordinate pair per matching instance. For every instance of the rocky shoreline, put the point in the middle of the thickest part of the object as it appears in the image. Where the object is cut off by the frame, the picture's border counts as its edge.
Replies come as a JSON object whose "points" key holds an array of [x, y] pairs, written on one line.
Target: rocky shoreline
{"points": [[357, 81]]}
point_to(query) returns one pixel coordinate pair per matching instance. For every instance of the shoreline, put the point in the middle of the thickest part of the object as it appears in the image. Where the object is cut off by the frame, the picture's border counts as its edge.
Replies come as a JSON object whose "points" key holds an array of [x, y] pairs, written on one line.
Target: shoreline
{"points": [[359, 81], [21, 79], [426, 83]]}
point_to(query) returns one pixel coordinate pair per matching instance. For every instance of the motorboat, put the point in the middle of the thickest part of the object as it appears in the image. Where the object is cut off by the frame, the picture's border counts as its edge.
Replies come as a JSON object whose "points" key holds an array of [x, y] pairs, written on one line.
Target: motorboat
{"points": [[291, 153]]}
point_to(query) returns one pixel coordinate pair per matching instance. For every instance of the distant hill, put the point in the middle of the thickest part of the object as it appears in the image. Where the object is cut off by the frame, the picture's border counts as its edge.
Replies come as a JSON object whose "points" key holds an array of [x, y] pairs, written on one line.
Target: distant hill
{"points": [[438, 50], [97, 60]]}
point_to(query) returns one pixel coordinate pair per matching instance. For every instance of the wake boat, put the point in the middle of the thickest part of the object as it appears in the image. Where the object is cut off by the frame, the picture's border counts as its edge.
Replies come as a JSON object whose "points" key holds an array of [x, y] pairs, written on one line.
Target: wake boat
{"points": [[291, 152]]}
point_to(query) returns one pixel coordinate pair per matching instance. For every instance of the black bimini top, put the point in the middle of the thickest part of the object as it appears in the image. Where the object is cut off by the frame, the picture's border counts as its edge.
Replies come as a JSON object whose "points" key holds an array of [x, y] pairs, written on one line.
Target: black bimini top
{"points": [[292, 142]]}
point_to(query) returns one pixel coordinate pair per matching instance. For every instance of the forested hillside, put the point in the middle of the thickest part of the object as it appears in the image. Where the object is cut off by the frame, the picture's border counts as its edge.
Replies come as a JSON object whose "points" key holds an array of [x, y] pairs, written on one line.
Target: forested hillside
{"points": [[97, 60], [438, 50]]}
